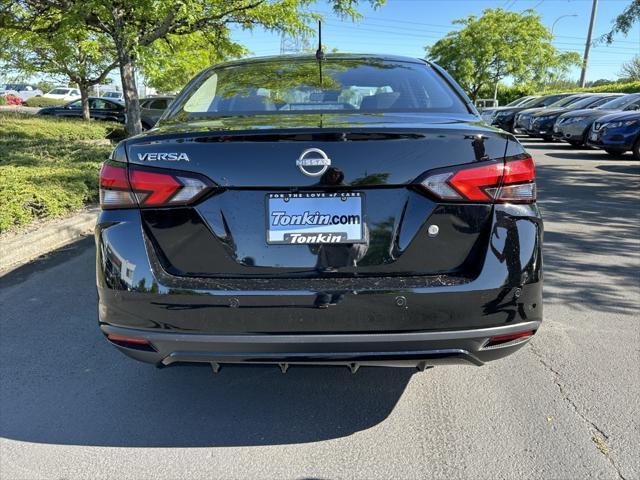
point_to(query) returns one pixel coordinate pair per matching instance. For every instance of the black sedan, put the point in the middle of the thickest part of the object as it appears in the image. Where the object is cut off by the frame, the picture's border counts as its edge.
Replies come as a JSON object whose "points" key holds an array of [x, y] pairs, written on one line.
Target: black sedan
{"points": [[351, 210], [99, 109]]}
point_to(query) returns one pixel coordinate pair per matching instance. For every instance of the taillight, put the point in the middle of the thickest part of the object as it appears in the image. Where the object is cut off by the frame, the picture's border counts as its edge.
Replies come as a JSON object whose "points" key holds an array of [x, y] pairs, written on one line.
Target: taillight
{"points": [[512, 181], [146, 188]]}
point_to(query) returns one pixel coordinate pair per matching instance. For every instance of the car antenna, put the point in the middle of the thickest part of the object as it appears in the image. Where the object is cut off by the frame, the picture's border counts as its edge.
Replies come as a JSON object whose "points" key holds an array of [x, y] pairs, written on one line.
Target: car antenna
{"points": [[319, 52]]}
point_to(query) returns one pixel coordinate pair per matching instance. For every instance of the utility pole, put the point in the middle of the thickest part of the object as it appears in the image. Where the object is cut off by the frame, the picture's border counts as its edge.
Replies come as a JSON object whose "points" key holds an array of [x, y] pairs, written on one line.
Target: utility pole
{"points": [[587, 47]]}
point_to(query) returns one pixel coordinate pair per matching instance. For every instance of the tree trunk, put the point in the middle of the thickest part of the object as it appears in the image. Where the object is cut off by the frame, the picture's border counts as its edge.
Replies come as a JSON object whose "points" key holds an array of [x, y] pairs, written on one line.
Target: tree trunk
{"points": [[130, 91], [84, 97]]}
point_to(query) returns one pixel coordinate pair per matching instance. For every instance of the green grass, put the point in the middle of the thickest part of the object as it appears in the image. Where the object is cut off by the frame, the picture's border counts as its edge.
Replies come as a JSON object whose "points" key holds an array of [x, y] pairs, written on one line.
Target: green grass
{"points": [[48, 167]]}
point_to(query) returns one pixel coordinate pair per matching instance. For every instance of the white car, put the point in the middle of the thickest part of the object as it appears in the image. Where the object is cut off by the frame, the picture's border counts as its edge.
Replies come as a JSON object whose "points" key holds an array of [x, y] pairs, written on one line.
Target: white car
{"points": [[114, 96], [63, 93]]}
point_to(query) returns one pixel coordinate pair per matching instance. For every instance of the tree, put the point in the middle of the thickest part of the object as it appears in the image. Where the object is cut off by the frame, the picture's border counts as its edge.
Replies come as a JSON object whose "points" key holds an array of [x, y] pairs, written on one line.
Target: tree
{"points": [[631, 69], [168, 64], [68, 51], [132, 26], [624, 21], [500, 44]]}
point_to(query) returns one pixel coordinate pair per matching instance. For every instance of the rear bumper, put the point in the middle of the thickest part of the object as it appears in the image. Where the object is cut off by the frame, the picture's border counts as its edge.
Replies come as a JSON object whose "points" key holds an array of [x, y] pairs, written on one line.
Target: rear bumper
{"points": [[402, 320], [413, 349]]}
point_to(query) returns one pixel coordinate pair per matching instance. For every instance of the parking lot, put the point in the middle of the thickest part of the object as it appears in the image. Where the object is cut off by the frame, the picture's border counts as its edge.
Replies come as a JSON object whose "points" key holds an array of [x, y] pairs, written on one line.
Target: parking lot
{"points": [[565, 406]]}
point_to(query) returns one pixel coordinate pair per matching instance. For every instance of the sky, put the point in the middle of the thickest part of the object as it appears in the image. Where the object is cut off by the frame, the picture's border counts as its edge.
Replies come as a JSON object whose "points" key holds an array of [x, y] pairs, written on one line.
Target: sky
{"points": [[405, 27]]}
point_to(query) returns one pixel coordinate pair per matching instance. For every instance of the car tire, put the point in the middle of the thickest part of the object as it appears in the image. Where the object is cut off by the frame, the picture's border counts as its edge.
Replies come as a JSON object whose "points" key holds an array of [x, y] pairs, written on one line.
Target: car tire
{"points": [[547, 138], [575, 143], [145, 126], [614, 153], [636, 150]]}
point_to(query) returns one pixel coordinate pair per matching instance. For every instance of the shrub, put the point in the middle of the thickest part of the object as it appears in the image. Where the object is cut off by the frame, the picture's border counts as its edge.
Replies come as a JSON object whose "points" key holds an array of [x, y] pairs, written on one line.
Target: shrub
{"points": [[48, 166], [44, 102], [2, 100]]}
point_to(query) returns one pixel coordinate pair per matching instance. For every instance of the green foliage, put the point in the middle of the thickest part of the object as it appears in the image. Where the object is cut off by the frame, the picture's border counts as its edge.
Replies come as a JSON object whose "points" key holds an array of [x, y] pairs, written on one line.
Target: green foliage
{"points": [[631, 69], [127, 28], [48, 167], [3, 100], [169, 64], [43, 102], [624, 21], [628, 87], [500, 44]]}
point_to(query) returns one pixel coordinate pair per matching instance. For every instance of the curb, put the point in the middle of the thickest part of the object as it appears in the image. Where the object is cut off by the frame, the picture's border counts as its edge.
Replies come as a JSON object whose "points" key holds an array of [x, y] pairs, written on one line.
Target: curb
{"points": [[20, 248]]}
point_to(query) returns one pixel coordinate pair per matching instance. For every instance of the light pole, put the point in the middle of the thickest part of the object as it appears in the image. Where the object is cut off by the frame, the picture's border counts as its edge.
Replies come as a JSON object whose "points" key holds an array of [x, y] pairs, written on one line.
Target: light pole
{"points": [[587, 46], [560, 18]]}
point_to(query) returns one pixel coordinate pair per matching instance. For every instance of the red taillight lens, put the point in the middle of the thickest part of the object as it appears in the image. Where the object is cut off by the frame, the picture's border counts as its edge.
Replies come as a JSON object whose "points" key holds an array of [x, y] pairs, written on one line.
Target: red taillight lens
{"points": [[148, 188], [513, 181]]}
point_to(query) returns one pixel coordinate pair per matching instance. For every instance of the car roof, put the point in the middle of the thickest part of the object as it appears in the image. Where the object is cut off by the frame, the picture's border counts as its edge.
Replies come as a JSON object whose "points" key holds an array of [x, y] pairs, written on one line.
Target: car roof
{"points": [[159, 97], [328, 56]]}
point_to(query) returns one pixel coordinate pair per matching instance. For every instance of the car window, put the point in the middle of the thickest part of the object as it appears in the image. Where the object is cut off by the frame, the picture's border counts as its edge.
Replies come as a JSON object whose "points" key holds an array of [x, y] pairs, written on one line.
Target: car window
{"points": [[620, 102], [346, 85], [585, 102], [59, 91], [633, 106], [100, 104], [551, 100], [76, 104], [75, 92], [600, 101], [158, 104]]}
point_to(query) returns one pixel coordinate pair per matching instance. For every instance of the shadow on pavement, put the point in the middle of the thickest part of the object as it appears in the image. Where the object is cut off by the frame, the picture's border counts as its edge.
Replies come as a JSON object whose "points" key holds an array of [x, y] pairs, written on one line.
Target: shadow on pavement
{"points": [[63, 384], [626, 169], [591, 236]]}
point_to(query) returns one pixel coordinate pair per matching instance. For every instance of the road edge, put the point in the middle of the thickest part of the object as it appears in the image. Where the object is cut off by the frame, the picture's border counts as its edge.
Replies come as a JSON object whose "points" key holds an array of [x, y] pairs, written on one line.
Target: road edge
{"points": [[19, 249]]}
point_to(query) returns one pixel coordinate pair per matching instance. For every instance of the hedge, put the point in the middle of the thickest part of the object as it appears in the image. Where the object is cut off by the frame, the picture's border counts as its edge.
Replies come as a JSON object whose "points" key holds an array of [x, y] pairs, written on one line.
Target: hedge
{"points": [[48, 166], [44, 102], [507, 94]]}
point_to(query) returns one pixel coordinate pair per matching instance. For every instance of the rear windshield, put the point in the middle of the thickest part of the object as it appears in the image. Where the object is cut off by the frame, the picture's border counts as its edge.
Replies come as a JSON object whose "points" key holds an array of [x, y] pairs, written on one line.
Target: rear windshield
{"points": [[619, 103], [566, 101], [348, 85]]}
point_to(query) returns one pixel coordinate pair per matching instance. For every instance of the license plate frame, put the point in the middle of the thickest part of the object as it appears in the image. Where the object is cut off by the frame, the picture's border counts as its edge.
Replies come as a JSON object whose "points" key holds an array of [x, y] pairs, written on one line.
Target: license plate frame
{"points": [[309, 211]]}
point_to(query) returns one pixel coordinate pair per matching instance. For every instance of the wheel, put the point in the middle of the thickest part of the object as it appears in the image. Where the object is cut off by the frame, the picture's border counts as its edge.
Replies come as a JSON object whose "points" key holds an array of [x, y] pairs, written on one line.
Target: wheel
{"points": [[145, 126], [614, 153], [575, 143], [636, 149], [547, 138]]}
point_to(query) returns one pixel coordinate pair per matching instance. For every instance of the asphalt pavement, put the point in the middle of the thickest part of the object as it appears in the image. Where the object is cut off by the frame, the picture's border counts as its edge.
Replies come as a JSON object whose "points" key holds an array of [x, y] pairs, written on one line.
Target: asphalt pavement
{"points": [[566, 406]]}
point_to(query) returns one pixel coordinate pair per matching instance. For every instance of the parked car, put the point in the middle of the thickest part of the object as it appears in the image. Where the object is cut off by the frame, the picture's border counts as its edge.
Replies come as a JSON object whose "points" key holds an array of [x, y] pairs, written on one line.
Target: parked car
{"points": [[487, 114], [63, 93], [541, 123], [114, 96], [99, 109], [151, 109], [484, 103], [504, 118], [617, 133], [23, 91], [272, 218], [574, 126], [522, 118]]}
